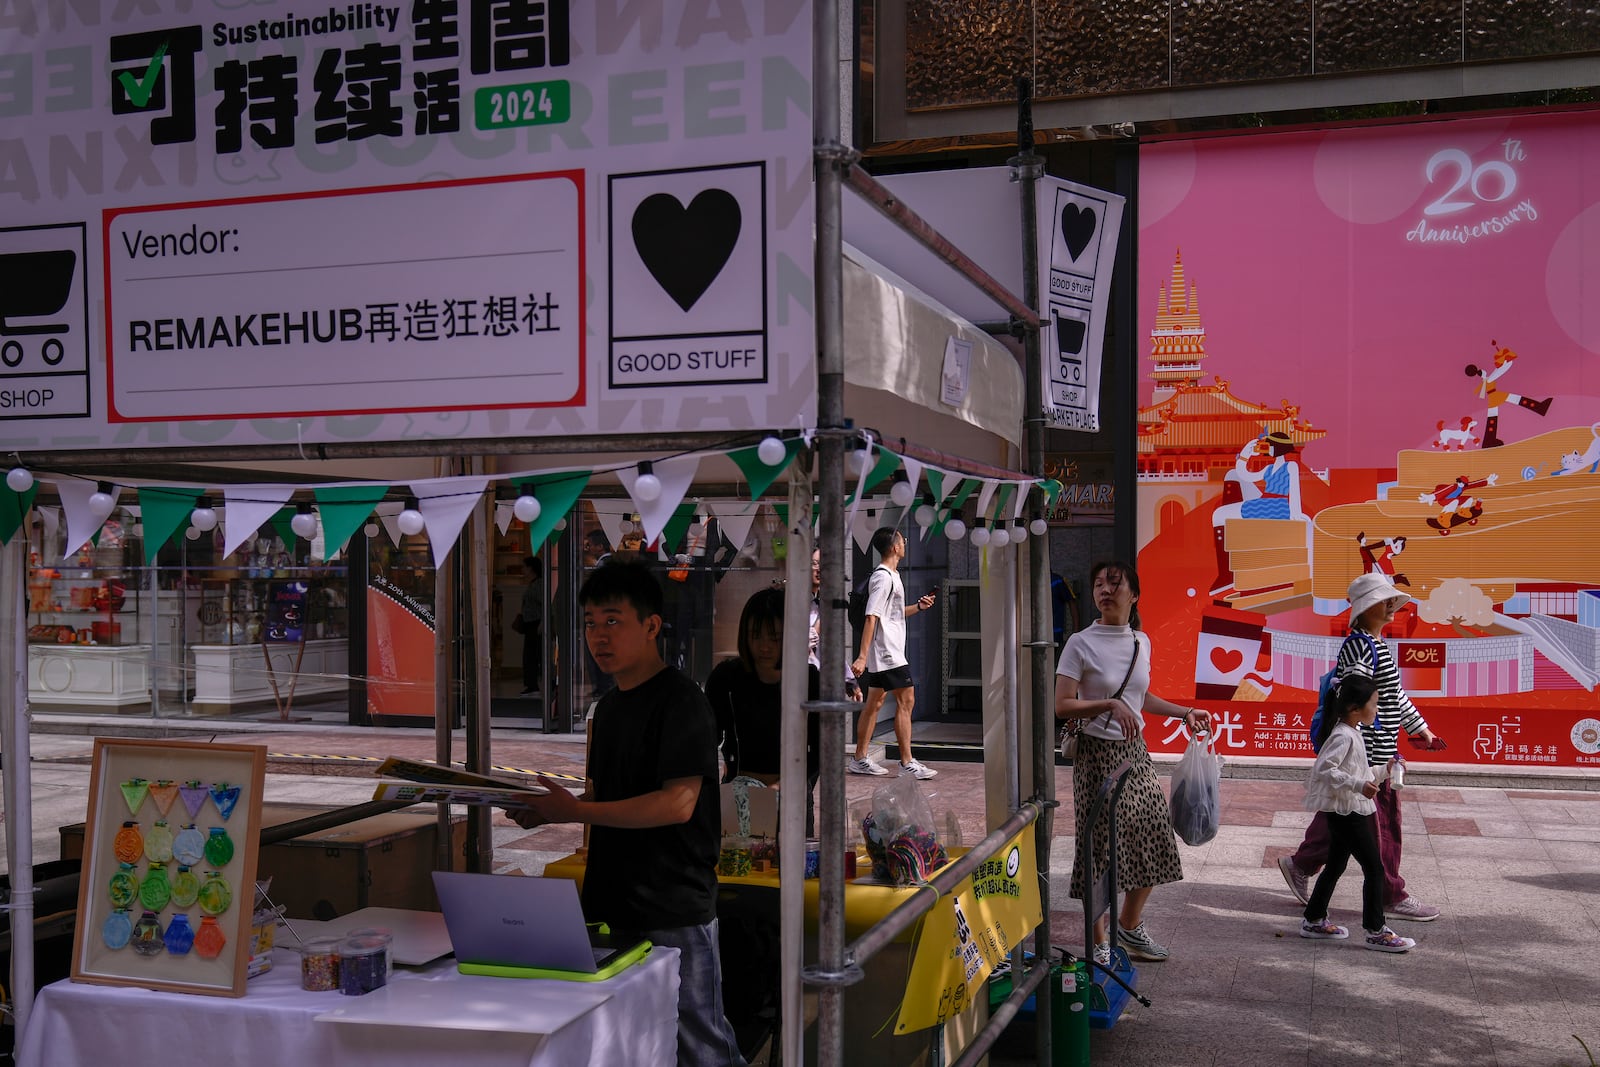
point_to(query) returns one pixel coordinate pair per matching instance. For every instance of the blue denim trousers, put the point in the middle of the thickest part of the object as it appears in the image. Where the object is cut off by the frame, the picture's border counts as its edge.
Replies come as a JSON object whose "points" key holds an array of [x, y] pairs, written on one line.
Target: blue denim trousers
{"points": [[705, 1037]]}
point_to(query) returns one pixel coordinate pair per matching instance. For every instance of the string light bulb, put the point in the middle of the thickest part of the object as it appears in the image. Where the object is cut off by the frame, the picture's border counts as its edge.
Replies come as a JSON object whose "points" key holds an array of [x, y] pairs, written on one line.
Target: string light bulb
{"points": [[647, 486], [192, 533], [925, 515], [860, 458], [771, 451], [527, 507], [1039, 526], [955, 529], [19, 479], [999, 538], [1019, 531], [101, 501], [411, 521], [902, 493], [304, 523], [370, 529], [980, 534], [204, 516]]}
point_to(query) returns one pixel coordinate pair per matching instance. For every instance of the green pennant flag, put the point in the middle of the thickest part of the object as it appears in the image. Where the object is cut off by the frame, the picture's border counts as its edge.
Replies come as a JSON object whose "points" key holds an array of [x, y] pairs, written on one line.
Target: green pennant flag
{"points": [[758, 474], [164, 510], [281, 525], [953, 506], [673, 532], [935, 479], [14, 509], [556, 494], [999, 511], [344, 509], [1052, 489], [887, 462]]}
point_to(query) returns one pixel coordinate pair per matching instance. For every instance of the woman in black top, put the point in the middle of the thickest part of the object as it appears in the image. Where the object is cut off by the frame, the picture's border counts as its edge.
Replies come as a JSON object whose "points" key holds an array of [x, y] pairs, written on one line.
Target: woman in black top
{"points": [[745, 693]]}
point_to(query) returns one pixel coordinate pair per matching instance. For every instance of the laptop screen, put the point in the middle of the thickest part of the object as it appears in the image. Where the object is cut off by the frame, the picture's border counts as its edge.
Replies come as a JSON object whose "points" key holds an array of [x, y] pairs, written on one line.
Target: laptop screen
{"points": [[512, 921]]}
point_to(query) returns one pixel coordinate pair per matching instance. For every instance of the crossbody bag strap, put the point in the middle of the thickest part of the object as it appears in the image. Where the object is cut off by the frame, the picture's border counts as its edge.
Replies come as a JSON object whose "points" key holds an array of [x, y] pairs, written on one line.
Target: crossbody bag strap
{"points": [[1132, 663]]}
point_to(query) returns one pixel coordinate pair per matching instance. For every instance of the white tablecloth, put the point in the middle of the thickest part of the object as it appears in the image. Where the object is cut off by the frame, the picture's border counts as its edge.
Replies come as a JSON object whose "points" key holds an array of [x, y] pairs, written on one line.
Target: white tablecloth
{"points": [[275, 1025]]}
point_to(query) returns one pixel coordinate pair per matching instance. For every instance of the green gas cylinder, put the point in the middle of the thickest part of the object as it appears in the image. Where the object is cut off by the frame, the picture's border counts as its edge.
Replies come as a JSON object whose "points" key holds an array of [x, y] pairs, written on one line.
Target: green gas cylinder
{"points": [[1069, 1014]]}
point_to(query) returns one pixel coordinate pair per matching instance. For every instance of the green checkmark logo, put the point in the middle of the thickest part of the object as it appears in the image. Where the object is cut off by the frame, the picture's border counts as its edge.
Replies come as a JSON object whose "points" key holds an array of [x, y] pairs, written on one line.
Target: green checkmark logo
{"points": [[139, 89]]}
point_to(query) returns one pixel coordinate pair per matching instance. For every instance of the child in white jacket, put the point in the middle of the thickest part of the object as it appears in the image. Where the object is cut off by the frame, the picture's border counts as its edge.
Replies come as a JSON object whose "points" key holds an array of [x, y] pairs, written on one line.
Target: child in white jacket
{"points": [[1341, 784]]}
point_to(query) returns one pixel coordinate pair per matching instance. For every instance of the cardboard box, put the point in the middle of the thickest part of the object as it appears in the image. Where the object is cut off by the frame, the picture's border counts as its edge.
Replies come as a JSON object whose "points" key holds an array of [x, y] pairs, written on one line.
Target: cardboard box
{"points": [[381, 861]]}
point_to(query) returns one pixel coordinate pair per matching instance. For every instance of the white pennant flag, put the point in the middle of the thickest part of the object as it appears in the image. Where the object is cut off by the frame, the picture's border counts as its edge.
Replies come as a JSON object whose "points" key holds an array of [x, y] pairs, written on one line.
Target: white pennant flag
{"points": [[446, 503], [985, 495], [82, 523], [503, 516], [734, 520], [388, 513], [865, 525], [611, 520], [675, 475], [914, 476], [50, 518], [248, 507], [861, 481]]}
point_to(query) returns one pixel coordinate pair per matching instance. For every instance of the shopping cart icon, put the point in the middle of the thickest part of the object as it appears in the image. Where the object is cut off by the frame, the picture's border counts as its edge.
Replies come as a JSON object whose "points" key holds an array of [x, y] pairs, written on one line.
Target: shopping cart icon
{"points": [[34, 285]]}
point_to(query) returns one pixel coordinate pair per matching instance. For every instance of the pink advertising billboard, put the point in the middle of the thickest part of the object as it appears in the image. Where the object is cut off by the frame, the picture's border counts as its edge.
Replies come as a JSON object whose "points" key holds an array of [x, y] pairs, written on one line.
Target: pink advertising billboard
{"points": [[1376, 348]]}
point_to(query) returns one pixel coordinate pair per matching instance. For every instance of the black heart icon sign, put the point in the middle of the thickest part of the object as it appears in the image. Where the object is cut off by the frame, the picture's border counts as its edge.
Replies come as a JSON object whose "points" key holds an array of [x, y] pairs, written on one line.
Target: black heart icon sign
{"points": [[685, 248], [1077, 226]]}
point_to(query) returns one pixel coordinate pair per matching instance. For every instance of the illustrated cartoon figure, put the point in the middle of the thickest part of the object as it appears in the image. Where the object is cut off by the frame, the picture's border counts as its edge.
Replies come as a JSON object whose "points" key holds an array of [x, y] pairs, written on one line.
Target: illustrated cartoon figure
{"points": [[1276, 497], [1490, 392], [1456, 505], [1457, 439], [1380, 559], [1589, 460]]}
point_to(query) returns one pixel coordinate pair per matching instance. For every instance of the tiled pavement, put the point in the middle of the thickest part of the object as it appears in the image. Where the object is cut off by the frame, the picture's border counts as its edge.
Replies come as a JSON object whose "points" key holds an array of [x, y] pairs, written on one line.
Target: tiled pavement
{"points": [[1504, 979]]}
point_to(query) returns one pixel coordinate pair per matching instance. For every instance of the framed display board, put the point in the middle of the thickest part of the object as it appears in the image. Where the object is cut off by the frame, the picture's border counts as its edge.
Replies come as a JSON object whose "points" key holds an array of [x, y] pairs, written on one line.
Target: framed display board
{"points": [[168, 883]]}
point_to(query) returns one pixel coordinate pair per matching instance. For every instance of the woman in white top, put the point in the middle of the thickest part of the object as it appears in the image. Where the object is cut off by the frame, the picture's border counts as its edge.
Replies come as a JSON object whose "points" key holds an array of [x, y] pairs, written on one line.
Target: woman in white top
{"points": [[1103, 678], [1342, 786]]}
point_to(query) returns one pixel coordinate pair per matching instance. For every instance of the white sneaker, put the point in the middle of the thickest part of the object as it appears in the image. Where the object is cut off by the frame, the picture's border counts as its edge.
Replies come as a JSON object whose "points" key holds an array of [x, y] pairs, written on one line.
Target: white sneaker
{"points": [[918, 771], [865, 765], [1298, 883], [1102, 954]]}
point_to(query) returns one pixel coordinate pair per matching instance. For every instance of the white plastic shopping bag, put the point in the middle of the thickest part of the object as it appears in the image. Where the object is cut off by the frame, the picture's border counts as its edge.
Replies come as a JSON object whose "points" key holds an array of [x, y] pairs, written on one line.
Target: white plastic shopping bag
{"points": [[1196, 803]]}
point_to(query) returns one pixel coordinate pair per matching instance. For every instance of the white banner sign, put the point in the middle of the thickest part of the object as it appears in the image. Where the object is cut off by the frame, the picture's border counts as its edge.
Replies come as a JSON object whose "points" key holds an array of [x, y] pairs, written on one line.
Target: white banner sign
{"points": [[243, 225], [1079, 228]]}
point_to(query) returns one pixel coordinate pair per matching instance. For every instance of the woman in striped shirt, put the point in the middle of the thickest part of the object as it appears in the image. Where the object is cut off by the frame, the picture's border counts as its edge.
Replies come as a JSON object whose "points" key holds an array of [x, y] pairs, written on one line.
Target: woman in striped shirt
{"points": [[1373, 602]]}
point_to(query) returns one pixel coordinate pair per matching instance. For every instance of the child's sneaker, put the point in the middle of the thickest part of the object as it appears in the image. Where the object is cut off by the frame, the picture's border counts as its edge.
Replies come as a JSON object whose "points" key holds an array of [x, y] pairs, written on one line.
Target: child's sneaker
{"points": [[1412, 910], [918, 771], [865, 765], [1386, 940], [1322, 930]]}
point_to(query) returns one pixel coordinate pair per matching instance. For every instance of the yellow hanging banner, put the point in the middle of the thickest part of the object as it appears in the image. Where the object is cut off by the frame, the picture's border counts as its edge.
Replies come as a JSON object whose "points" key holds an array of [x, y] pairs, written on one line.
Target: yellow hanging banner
{"points": [[968, 932]]}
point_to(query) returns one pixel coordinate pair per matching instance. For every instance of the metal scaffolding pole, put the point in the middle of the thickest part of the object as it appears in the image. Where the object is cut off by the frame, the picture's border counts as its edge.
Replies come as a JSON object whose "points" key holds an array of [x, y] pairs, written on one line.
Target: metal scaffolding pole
{"points": [[1028, 170], [830, 974]]}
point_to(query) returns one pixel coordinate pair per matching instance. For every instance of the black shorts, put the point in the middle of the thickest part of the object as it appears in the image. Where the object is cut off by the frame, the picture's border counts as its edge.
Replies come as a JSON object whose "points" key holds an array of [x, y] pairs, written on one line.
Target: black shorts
{"points": [[889, 680]]}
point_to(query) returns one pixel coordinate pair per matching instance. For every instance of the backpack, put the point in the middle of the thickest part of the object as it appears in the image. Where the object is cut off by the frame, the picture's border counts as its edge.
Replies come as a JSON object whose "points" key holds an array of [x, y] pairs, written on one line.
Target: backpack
{"points": [[1326, 686], [855, 608]]}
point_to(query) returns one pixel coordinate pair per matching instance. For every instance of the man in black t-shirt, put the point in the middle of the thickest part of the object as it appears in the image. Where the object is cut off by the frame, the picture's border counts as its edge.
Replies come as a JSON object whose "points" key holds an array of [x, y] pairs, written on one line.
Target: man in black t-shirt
{"points": [[652, 803]]}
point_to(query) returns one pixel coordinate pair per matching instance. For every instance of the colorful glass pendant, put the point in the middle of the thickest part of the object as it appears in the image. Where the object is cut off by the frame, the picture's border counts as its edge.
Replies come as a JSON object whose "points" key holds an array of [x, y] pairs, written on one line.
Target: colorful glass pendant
{"points": [[117, 929], [134, 791], [147, 935], [215, 894], [185, 888], [219, 847], [124, 886], [180, 936], [155, 890], [189, 847], [129, 843], [158, 843], [194, 793], [164, 791], [225, 796], [209, 940]]}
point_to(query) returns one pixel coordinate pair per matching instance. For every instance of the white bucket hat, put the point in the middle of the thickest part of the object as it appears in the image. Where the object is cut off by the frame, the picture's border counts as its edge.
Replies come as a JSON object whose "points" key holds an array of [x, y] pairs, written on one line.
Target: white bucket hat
{"points": [[1371, 589]]}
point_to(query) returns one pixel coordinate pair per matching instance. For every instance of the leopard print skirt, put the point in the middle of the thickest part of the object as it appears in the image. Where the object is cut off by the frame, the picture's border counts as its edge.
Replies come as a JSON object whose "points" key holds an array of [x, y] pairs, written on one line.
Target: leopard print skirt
{"points": [[1147, 849]]}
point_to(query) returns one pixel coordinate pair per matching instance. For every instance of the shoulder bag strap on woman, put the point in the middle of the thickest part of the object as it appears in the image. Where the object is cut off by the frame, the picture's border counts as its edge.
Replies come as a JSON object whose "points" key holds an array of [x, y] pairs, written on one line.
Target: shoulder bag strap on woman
{"points": [[1068, 741]]}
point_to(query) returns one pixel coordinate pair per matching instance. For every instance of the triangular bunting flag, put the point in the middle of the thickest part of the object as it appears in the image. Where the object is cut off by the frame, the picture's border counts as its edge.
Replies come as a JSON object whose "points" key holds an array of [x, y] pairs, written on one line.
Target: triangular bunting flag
{"points": [[14, 509], [388, 514], [1052, 489], [502, 516], [735, 521], [675, 475], [445, 504], [82, 523], [864, 527], [611, 519], [344, 511], [758, 474], [50, 518], [166, 511], [281, 525], [248, 507], [887, 462], [677, 526], [986, 495], [557, 493]]}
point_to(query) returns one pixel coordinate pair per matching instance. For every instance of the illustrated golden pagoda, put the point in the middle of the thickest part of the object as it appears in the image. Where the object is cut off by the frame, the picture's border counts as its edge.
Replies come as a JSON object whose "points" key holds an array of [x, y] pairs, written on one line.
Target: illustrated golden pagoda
{"points": [[1189, 429]]}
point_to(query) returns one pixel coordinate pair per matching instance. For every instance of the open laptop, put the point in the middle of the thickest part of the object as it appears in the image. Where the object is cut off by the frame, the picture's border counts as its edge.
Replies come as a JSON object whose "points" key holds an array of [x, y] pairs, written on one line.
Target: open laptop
{"points": [[514, 927]]}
